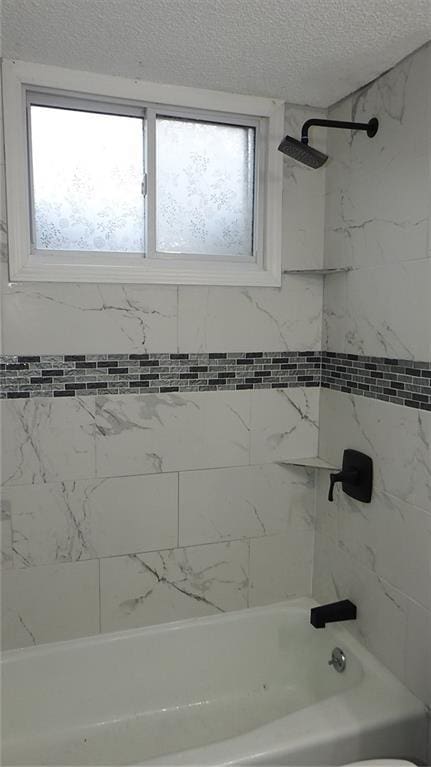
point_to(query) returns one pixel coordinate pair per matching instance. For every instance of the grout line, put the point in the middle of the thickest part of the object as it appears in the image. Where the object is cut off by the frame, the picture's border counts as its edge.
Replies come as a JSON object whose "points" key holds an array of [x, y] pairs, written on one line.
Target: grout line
{"points": [[225, 541], [178, 509], [100, 599], [248, 573], [93, 478], [361, 566], [178, 319]]}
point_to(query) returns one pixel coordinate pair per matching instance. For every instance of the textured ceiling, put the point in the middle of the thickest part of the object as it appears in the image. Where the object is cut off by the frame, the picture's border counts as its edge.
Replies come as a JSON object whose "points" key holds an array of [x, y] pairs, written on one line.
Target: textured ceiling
{"points": [[305, 51]]}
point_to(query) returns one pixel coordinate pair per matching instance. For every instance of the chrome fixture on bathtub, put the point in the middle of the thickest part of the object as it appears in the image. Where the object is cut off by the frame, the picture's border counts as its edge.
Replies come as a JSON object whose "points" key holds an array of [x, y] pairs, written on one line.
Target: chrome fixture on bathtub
{"points": [[334, 612], [356, 476], [338, 660]]}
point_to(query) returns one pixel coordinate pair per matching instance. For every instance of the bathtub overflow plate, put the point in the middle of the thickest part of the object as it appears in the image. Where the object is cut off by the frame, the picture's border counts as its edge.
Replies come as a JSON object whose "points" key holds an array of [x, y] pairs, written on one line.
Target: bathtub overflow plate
{"points": [[338, 660]]}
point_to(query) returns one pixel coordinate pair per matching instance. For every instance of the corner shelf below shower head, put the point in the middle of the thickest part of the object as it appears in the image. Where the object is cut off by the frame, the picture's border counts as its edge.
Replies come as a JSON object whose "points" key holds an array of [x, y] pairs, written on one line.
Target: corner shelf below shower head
{"points": [[324, 271]]}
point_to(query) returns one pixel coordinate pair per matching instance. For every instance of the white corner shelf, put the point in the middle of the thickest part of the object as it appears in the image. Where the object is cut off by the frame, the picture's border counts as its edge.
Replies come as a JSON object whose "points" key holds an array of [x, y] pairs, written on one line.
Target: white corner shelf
{"points": [[323, 271], [312, 463]]}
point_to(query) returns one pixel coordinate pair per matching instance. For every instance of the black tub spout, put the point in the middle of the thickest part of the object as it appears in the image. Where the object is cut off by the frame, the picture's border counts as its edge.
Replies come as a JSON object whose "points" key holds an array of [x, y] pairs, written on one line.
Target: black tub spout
{"points": [[332, 613]]}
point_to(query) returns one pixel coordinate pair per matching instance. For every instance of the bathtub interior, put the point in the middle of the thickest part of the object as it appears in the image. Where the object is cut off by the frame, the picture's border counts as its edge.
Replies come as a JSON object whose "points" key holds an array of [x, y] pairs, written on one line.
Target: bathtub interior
{"points": [[132, 696]]}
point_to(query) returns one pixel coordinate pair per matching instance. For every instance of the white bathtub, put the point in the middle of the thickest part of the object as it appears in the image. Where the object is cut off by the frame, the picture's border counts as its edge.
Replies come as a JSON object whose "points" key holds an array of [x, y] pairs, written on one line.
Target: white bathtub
{"points": [[252, 687]]}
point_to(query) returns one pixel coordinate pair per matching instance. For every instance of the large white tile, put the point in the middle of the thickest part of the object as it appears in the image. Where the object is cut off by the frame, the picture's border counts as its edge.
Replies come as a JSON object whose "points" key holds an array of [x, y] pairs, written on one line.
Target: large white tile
{"points": [[72, 318], [44, 440], [335, 313], [397, 438], [324, 585], [303, 199], [388, 311], [303, 218], [399, 100], [170, 585], [4, 251], [49, 604], [6, 534], [250, 319], [338, 146], [338, 179], [376, 220], [391, 538], [326, 512], [243, 502], [281, 566], [377, 215], [143, 434], [85, 519], [377, 189], [380, 223], [418, 652], [381, 623], [284, 424]]}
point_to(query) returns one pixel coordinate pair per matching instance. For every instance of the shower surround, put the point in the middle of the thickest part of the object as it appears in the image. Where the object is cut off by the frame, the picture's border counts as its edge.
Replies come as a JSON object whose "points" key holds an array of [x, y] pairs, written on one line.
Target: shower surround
{"points": [[143, 425]]}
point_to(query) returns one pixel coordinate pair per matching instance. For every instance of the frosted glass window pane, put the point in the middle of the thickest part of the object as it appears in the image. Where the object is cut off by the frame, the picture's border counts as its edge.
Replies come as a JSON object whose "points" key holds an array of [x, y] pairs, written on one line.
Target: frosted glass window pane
{"points": [[87, 175], [205, 188]]}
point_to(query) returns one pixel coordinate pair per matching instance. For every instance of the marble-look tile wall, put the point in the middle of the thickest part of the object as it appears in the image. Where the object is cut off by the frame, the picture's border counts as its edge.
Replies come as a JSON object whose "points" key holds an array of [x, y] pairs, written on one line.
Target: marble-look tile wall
{"points": [[378, 223], [378, 194], [124, 511]]}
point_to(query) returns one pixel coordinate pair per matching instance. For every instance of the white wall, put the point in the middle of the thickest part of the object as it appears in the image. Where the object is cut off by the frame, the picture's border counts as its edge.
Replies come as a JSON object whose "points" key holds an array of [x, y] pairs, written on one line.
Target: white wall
{"points": [[172, 500], [378, 222]]}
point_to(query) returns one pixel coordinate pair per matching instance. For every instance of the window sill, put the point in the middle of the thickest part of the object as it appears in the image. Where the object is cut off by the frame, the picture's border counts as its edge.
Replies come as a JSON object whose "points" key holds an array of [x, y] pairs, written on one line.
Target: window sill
{"points": [[137, 271]]}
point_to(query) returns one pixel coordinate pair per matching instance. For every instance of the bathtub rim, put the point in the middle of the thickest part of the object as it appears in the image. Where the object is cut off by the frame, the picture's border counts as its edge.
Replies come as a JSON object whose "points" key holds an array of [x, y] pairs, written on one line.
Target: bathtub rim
{"points": [[111, 637]]}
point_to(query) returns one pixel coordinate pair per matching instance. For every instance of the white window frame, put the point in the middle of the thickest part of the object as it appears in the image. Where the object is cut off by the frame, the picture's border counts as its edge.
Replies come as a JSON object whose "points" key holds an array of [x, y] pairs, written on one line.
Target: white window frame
{"points": [[265, 115]]}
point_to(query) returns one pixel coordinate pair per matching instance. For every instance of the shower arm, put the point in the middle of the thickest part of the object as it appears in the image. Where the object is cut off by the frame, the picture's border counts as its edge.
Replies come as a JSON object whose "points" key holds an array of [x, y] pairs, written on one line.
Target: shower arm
{"points": [[371, 126]]}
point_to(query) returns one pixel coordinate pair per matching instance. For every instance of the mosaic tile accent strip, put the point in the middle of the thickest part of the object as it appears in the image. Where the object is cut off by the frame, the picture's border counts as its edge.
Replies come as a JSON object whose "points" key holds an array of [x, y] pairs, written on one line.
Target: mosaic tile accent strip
{"points": [[401, 382], [70, 375]]}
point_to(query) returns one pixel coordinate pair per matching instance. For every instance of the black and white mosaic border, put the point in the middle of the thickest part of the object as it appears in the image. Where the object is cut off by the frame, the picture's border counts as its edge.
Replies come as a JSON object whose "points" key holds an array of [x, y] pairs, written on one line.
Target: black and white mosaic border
{"points": [[58, 376], [401, 382]]}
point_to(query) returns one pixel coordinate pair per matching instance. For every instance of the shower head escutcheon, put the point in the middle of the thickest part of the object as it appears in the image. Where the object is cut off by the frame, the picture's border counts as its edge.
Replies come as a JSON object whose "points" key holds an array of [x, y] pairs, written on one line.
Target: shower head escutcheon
{"points": [[302, 152]]}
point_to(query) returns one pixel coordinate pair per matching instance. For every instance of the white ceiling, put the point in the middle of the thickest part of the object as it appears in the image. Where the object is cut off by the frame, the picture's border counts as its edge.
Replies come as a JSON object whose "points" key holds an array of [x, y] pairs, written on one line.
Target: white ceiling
{"points": [[305, 51]]}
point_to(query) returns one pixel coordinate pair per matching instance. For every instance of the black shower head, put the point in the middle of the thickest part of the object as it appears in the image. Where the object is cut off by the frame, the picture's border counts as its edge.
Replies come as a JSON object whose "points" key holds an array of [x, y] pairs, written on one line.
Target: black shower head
{"points": [[302, 152]]}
